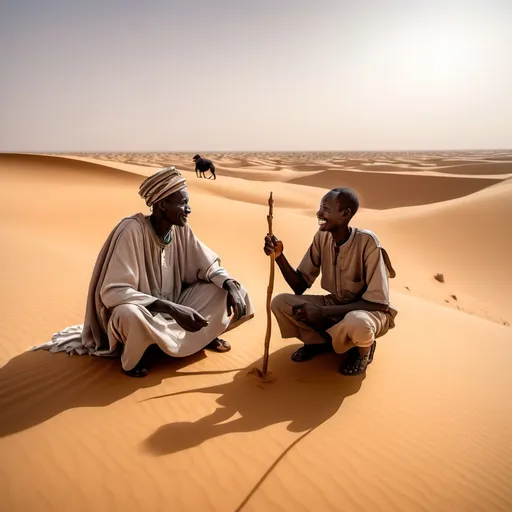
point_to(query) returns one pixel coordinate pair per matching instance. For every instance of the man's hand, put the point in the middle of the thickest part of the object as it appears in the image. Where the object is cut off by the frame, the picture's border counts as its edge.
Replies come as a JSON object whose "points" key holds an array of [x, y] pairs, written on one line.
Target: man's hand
{"points": [[309, 313], [235, 301], [273, 245], [187, 318], [293, 277]]}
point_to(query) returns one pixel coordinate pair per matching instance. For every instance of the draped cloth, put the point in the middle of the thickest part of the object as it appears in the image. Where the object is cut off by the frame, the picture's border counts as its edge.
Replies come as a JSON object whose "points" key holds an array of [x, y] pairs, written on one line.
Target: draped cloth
{"points": [[133, 269]]}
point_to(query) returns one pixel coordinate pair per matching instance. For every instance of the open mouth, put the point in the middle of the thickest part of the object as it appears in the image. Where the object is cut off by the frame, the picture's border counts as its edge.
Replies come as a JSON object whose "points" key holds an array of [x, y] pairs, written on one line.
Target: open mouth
{"points": [[321, 222]]}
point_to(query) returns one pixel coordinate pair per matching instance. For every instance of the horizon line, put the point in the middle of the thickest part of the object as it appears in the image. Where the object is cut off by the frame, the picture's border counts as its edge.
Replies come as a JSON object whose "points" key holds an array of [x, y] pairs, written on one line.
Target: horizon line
{"points": [[277, 151]]}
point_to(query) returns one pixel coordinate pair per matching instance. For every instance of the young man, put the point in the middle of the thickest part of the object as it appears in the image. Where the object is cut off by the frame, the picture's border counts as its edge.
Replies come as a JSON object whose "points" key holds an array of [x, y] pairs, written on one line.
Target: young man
{"points": [[203, 165], [154, 282], [355, 271]]}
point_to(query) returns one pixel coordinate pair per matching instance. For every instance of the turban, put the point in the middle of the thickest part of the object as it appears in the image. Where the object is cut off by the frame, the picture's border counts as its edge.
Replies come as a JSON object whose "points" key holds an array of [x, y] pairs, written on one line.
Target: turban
{"points": [[161, 184]]}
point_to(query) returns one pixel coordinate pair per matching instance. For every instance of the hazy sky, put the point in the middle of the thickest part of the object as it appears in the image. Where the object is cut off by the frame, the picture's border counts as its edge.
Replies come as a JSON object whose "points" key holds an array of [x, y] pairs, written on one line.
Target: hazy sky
{"points": [[199, 75]]}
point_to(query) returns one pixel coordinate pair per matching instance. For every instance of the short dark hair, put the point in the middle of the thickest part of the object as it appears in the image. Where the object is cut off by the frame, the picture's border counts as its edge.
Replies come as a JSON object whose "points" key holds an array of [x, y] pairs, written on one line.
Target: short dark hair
{"points": [[196, 157], [347, 197]]}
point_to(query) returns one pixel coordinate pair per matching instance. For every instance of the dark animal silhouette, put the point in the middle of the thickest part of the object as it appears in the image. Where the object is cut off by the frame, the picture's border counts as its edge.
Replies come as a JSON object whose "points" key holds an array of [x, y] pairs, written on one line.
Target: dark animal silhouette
{"points": [[203, 165]]}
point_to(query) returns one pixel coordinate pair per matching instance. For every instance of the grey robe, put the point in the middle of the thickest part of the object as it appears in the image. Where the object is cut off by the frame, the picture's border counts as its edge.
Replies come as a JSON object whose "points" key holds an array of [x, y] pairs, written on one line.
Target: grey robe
{"points": [[133, 269]]}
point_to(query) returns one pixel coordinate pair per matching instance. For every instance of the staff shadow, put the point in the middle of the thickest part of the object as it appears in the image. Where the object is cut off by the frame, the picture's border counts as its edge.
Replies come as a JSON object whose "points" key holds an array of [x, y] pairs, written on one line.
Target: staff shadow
{"points": [[304, 394], [36, 386]]}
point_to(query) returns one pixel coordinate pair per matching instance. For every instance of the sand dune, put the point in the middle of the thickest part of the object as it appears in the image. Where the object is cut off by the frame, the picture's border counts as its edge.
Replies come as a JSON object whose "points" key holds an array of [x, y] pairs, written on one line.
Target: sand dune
{"points": [[428, 429], [68, 167], [463, 168], [385, 190], [465, 240], [481, 169]]}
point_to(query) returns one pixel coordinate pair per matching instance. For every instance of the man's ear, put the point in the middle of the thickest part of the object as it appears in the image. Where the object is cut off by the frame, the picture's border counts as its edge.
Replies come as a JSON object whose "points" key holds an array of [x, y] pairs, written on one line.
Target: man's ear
{"points": [[347, 212], [160, 206]]}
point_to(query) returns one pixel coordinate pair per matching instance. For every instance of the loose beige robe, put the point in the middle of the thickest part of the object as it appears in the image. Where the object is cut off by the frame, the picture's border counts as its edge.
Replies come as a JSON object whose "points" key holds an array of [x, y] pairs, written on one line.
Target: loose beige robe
{"points": [[133, 269]]}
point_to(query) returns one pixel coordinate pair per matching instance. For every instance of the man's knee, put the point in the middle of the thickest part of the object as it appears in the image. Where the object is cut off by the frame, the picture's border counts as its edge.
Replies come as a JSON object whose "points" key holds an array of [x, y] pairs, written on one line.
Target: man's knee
{"points": [[359, 328], [281, 303], [125, 312], [212, 289]]}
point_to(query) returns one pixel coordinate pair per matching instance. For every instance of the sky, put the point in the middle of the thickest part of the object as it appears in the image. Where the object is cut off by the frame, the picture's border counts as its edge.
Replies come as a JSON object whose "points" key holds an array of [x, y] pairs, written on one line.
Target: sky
{"points": [[247, 75]]}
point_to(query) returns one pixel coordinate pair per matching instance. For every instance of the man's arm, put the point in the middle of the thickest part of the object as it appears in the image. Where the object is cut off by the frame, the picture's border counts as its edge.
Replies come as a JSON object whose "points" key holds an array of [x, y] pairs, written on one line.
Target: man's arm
{"points": [[341, 310], [186, 317], [159, 306], [294, 279]]}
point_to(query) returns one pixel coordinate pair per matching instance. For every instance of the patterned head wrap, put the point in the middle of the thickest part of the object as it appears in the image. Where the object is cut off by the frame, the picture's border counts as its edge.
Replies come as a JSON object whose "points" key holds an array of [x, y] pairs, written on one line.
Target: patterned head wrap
{"points": [[161, 184]]}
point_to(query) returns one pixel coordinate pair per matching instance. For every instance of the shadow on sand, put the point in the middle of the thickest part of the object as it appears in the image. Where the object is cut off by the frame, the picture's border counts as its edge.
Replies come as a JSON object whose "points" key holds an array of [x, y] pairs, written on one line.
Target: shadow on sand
{"points": [[36, 386], [303, 394]]}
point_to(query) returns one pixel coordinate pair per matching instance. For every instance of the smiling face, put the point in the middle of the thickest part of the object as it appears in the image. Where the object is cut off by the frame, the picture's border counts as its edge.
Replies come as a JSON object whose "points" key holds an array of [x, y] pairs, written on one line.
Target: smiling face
{"points": [[332, 214], [175, 208]]}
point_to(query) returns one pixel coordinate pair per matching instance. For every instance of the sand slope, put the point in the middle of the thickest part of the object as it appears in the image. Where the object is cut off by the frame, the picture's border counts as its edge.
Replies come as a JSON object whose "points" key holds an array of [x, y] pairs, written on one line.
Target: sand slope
{"points": [[466, 240], [428, 429], [391, 190]]}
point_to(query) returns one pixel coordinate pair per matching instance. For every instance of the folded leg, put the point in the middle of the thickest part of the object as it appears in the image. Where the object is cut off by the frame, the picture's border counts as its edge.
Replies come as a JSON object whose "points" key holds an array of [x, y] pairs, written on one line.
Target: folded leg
{"points": [[358, 329], [137, 328], [282, 306]]}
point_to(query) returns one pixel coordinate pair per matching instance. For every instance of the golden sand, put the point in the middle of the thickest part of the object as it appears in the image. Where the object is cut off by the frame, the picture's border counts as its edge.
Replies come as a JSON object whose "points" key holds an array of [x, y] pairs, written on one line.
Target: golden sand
{"points": [[429, 428]]}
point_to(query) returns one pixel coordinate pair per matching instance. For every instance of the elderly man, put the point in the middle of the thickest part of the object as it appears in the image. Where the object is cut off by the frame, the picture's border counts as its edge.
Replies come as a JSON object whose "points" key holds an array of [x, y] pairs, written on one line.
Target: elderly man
{"points": [[154, 282], [355, 271]]}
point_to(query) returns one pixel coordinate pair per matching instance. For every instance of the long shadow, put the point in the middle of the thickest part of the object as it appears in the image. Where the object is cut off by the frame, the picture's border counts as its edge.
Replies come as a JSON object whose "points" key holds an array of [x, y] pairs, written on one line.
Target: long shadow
{"points": [[36, 386], [304, 394]]}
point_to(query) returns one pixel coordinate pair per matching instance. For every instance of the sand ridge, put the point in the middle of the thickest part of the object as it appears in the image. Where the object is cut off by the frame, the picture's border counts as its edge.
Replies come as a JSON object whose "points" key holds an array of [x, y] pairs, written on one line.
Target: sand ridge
{"points": [[428, 428]]}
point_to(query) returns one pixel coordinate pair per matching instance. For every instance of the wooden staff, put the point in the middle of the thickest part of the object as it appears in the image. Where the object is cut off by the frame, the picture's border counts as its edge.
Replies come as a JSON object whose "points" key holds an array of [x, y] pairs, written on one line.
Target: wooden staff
{"points": [[270, 288]]}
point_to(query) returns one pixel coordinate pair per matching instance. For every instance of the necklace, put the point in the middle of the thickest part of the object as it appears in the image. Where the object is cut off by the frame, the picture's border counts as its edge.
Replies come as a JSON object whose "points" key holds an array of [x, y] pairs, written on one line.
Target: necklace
{"points": [[167, 238]]}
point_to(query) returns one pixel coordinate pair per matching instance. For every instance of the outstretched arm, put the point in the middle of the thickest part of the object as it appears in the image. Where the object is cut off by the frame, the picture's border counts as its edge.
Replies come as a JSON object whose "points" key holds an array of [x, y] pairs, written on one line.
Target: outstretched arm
{"points": [[187, 318], [292, 276]]}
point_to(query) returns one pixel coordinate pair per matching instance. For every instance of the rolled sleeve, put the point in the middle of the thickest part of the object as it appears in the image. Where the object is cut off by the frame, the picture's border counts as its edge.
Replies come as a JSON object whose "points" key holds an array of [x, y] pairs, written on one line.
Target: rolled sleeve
{"points": [[218, 275], [309, 267], [377, 289]]}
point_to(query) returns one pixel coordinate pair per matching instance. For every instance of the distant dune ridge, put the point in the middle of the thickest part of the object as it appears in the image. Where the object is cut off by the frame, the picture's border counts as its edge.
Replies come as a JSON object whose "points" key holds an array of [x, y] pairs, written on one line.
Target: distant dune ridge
{"points": [[429, 428]]}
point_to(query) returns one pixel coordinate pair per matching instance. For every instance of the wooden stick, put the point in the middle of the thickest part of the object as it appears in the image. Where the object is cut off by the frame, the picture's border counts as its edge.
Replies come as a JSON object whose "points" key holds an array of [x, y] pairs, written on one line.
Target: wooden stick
{"points": [[270, 289]]}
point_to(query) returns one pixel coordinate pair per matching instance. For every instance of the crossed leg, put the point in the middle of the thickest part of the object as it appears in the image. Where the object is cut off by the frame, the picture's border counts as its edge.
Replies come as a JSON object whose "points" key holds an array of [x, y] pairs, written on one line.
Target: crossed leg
{"points": [[357, 330]]}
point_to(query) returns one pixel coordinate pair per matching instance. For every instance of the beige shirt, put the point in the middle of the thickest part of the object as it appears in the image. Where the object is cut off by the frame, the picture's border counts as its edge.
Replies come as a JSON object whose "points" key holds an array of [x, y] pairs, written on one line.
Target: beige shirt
{"points": [[358, 269]]}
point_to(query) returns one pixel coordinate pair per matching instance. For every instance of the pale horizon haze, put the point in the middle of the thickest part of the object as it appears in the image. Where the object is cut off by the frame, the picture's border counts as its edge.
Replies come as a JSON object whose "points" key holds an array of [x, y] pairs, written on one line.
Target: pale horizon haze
{"points": [[197, 75]]}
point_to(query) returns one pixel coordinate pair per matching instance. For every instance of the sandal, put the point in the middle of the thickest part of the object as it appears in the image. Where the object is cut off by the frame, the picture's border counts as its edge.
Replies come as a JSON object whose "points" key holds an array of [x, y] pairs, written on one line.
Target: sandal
{"points": [[307, 352], [372, 352], [137, 372], [219, 345], [355, 364]]}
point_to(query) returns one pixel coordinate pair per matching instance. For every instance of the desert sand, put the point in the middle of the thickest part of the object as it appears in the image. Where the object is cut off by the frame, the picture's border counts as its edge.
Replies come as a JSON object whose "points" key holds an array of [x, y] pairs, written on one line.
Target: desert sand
{"points": [[428, 428]]}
